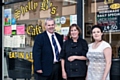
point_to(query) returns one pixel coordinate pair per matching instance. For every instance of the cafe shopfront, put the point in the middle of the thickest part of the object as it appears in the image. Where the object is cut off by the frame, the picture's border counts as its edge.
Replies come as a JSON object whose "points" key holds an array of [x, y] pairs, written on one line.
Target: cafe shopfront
{"points": [[24, 20]]}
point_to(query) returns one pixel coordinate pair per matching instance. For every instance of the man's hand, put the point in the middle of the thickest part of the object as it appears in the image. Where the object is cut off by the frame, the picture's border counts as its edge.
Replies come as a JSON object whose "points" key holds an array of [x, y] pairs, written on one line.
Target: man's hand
{"points": [[39, 71]]}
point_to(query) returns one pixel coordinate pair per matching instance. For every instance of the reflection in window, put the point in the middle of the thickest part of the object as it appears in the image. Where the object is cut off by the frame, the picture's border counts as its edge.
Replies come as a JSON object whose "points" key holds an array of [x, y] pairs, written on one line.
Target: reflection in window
{"points": [[110, 24], [65, 3], [73, 1], [69, 2]]}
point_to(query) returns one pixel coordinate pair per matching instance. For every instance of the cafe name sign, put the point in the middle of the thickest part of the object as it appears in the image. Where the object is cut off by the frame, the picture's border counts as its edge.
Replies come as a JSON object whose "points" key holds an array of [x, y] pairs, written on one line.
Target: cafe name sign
{"points": [[32, 6], [34, 30]]}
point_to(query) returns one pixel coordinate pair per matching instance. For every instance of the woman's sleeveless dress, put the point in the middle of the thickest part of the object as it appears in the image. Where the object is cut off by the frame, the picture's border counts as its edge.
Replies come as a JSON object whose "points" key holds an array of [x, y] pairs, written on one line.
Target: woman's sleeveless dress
{"points": [[97, 62]]}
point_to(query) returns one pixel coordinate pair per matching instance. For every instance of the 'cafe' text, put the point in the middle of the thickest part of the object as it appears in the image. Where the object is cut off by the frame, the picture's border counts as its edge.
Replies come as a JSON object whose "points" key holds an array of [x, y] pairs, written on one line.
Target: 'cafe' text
{"points": [[33, 30]]}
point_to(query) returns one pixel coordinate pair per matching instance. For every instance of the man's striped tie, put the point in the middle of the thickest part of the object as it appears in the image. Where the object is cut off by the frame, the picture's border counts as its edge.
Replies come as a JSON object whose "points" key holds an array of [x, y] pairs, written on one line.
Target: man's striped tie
{"points": [[55, 47]]}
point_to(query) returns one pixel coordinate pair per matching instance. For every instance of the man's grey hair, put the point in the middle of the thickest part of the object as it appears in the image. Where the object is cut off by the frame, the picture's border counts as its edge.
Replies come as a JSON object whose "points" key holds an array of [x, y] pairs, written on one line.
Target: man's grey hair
{"points": [[49, 19]]}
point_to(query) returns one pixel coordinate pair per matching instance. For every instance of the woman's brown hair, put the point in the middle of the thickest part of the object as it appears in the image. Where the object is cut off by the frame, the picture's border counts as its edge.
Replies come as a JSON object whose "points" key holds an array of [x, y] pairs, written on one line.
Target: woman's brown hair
{"points": [[77, 27]]}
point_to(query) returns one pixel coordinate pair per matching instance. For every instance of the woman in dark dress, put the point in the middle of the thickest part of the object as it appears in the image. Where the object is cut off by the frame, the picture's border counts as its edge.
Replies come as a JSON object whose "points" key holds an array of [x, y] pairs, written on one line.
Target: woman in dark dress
{"points": [[73, 55]]}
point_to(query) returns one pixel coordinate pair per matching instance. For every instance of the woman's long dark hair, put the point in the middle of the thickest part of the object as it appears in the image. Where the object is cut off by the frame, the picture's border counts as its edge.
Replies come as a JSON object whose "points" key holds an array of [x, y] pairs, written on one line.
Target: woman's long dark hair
{"points": [[101, 29]]}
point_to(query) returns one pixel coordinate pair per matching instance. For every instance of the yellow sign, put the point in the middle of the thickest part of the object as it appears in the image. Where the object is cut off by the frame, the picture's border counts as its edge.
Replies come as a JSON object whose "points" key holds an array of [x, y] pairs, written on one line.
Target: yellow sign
{"points": [[108, 1], [34, 30], [115, 6], [20, 55], [32, 6], [53, 10], [23, 9], [46, 5]]}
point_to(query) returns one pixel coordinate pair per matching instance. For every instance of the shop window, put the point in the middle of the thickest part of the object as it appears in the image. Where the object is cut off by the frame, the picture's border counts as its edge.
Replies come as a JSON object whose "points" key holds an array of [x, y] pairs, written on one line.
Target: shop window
{"points": [[28, 27], [115, 42], [105, 14]]}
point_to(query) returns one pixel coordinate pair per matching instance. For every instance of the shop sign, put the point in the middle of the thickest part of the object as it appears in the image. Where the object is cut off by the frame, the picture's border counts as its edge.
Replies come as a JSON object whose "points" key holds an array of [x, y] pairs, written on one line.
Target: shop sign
{"points": [[32, 6], [27, 55], [109, 18], [109, 21], [34, 30], [46, 4], [108, 1], [115, 6]]}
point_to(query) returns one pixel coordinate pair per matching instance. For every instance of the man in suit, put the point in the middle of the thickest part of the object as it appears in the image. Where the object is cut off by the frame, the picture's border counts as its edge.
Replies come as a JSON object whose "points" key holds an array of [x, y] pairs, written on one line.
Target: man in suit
{"points": [[45, 55]]}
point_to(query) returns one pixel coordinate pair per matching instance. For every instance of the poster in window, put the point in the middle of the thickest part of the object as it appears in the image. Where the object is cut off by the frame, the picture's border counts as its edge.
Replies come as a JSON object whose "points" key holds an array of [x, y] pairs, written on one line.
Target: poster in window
{"points": [[88, 29]]}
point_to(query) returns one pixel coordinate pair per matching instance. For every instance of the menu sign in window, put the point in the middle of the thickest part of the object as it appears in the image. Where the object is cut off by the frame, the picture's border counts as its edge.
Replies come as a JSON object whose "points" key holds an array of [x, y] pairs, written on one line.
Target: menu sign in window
{"points": [[108, 16]]}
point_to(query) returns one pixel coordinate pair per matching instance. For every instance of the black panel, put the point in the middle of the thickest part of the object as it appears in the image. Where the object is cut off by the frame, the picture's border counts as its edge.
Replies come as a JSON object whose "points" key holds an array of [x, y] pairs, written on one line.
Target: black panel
{"points": [[80, 13], [0, 40]]}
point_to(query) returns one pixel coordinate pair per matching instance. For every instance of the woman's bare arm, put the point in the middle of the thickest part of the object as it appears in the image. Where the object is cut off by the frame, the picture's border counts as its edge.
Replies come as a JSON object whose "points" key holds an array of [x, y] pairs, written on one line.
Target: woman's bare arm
{"points": [[108, 55]]}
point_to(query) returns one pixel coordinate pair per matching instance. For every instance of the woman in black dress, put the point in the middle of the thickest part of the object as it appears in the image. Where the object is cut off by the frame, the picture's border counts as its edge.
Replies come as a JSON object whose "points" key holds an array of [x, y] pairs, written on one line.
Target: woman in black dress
{"points": [[73, 55]]}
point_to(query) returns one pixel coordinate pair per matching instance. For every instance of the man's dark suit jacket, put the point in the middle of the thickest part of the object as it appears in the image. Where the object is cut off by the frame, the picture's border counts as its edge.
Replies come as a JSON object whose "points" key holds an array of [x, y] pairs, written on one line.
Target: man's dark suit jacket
{"points": [[43, 54]]}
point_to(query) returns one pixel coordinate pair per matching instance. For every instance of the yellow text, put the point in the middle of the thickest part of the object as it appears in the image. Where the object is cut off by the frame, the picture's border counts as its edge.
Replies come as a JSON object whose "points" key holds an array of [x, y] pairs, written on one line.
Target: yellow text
{"points": [[108, 1], [30, 6], [33, 30], [46, 5], [53, 10], [22, 55]]}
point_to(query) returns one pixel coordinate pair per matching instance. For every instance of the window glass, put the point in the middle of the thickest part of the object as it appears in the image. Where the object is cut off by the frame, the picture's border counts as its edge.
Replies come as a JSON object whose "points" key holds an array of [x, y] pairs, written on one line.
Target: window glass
{"points": [[105, 13], [23, 21]]}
